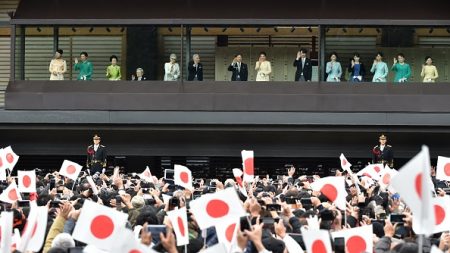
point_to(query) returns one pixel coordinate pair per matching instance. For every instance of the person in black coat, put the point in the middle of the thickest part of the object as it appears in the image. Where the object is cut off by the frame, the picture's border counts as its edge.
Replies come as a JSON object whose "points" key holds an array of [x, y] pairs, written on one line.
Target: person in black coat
{"points": [[356, 69], [239, 69], [195, 69], [304, 67], [96, 157], [383, 153]]}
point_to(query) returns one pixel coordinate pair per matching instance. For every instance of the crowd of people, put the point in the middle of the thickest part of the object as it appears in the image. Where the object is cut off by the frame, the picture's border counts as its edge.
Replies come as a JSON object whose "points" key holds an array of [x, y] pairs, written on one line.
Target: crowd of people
{"points": [[334, 70], [279, 211]]}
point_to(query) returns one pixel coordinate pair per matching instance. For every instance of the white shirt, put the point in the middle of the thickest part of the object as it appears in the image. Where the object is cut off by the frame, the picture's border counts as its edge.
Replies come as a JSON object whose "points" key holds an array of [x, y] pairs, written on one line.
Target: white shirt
{"points": [[382, 147], [172, 71], [96, 147]]}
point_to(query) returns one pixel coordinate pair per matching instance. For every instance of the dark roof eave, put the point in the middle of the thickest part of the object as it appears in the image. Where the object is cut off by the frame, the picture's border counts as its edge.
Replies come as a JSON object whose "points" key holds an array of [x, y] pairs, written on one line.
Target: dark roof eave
{"points": [[235, 22]]}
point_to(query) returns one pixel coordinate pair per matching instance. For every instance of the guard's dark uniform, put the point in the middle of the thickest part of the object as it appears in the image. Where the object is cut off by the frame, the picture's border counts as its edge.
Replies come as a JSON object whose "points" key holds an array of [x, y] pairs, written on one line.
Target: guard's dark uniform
{"points": [[386, 157], [96, 160]]}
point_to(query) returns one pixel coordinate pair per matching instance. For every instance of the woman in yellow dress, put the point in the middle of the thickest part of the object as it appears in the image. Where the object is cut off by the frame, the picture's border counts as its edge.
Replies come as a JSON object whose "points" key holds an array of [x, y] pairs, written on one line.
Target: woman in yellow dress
{"points": [[113, 70], [263, 68], [429, 71], [57, 66]]}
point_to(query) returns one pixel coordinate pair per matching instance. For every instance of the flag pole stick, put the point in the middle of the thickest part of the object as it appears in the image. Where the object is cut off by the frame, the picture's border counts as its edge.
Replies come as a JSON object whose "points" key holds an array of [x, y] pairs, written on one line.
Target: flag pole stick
{"points": [[185, 248], [421, 243]]}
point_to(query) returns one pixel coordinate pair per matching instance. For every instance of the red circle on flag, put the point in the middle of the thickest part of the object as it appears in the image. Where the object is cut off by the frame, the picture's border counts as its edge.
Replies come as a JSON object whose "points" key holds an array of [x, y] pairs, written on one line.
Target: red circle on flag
{"points": [[418, 184], [9, 158], [447, 169], [318, 247], [386, 178], [102, 226], [12, 195], [181, 225], [329, 191], [344, 162], [1, 162], [184, 176], [34, 229], [439, 213], [71, 169], [248, 166], [217, 208], [377, 168], [229, 232], [26, 181], [134, 251], [356, 244], [367, 175]]}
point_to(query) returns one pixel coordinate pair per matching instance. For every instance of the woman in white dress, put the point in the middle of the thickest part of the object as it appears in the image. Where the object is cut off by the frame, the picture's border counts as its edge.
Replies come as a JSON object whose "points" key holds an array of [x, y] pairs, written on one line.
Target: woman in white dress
{"points": [[172, 69], [263, 68], [57, 66]]}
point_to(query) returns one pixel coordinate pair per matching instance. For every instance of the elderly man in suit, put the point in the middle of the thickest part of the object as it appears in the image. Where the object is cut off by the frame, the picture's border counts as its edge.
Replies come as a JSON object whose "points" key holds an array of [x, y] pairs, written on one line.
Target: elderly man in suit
{"points": [[239, 69], [304, 67], [195, 69]]}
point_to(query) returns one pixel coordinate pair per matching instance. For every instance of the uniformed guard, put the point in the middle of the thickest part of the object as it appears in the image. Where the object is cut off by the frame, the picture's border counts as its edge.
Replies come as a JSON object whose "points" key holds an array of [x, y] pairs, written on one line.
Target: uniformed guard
{"points": [[383, 153], [96, 157]]}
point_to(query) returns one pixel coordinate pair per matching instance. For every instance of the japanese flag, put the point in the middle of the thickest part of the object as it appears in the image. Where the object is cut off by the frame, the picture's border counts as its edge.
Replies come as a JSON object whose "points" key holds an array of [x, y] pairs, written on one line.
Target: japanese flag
{"points": [[8, 158], [211, 208], [248, 165], [70, 169], [6, 231], [178, 218], [357, 240], [435, 249], [385, 177], [317, 241], [333, 188], [99, 225], [226, 230], [146, 175], [27, 180], [92, 185], [10, 194], [34, 232], [442, 217], [217, 248], [345, 164], [182, 176], [237, 173], [413, 183], [443, 168], [2, 174], [130, 244], [371, 171]]}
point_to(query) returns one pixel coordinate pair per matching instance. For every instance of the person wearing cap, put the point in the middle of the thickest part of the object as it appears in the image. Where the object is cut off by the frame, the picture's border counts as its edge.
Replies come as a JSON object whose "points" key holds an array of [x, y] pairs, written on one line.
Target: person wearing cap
{"points": [[57, 66], [172, 69], [96, 157], [383, 153]]}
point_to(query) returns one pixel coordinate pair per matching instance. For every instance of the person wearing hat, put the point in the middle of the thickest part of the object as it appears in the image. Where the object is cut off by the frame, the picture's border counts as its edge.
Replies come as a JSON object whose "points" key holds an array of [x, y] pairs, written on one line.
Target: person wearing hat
{"points": [[58, 66], [96, 157], [172, 69], [383, 153]]}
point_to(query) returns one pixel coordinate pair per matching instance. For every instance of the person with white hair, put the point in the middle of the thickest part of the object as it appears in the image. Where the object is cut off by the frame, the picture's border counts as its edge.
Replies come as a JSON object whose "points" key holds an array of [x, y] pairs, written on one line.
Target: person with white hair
{"points": [[139, 75], [63, 240], [172, 69]]}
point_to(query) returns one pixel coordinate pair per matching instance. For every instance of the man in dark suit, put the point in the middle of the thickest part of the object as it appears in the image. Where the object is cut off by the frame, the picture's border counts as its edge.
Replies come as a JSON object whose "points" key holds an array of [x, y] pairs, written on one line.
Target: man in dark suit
{"points": [[383, 153], [304, 67], [239, 69], [195, 69], [96, 157]]}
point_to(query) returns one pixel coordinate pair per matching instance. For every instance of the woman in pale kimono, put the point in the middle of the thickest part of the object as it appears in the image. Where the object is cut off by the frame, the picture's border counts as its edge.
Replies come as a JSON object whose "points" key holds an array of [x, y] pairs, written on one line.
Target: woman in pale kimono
{"points": [[263, 68], [57, 66]]}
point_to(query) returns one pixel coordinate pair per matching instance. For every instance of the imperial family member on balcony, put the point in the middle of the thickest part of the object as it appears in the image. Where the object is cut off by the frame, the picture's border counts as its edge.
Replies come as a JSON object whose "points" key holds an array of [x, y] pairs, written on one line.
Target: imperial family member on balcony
{"points": [[57, 66], [263, 68], [239, 69], [356, 69], [401, 69], [429, 71], [172, 69], [84, 67], [379, 69], [113, 70], [333, 69], [195, 69], [304, 68]]}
